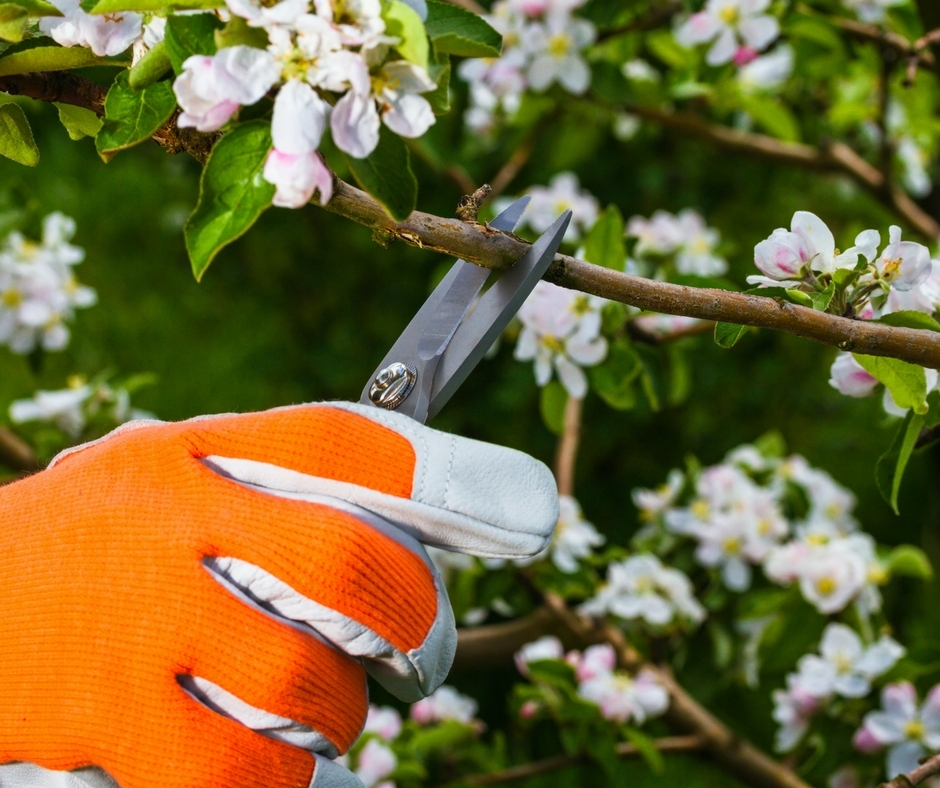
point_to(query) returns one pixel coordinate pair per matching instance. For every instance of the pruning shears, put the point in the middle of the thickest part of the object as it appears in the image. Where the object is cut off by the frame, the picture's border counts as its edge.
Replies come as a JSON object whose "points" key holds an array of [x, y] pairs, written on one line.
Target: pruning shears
{"points": [[446, 339]]}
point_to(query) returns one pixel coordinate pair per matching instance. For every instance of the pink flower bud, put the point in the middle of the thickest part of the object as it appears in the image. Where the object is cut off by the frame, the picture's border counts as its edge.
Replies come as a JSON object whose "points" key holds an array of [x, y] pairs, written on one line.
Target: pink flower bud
{"points": [[849, 377], [529, 709], [864, 741], [744, 55]]}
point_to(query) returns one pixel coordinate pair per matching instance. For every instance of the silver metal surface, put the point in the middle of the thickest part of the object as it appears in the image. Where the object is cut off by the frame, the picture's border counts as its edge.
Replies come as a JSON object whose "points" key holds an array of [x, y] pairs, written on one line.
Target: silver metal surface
{"points": [[443, 343], [392, 385]]}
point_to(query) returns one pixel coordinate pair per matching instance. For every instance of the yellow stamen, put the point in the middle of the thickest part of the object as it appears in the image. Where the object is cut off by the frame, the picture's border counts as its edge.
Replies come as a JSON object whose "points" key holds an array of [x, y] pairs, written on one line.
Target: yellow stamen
{"points": [[12, 298], [825, 586], [559, 45], [914, 730]]}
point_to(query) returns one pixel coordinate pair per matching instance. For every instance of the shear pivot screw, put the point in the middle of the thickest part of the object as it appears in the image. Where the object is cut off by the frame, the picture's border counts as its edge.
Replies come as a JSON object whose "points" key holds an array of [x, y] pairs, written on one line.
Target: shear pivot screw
{"points": [[392, 385]]}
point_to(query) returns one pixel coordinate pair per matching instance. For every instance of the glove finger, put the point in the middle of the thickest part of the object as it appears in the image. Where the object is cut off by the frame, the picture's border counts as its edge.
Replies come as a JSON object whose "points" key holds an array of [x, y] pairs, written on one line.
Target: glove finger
{"points": [[358, 581], [332, 775], [238, 653], [447, 491]]}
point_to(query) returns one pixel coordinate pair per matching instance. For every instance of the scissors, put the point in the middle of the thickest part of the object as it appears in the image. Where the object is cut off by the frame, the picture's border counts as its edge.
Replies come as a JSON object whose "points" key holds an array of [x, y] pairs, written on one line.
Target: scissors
{"points": [[445, 340]]}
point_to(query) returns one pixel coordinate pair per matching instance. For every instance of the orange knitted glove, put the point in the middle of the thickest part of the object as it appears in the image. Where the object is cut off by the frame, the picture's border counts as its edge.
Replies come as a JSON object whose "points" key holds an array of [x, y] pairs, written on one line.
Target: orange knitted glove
{"points": [[193, 605]]}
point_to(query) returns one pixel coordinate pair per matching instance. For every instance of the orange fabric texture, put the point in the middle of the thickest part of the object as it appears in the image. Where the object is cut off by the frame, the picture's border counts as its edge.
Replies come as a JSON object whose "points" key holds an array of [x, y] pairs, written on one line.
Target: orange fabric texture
{"points": [[105, 600]]}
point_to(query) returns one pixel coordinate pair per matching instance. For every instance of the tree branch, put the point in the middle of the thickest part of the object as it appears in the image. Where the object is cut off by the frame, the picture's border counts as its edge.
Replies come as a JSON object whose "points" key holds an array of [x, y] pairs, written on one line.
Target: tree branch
{"points": [[836, 156], [665, 744], [567, 451], [488, 247], [493, 645], [928, 768], [16, 454]]}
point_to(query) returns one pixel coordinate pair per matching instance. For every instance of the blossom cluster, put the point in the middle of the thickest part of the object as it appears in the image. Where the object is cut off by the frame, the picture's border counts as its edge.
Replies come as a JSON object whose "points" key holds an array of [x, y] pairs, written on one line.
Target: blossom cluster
{"points": [[561, 333], [71, 408], [738, 30], [640, 587], [736, 515], [543, 43], [901, 277], [844, 667], [574, 538], [341, 50], [547, 203], [619, 696], [38, 289]]}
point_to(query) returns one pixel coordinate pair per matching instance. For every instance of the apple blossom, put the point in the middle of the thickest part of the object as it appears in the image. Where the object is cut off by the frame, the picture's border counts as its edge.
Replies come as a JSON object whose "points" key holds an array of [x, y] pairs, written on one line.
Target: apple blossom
{"points": [[555, 46], [641, 587], [63, 408], [767, 72], [105, 34], [445, 703], [594, 661], [908, 730], [561, 332], [653, 502], [684, 234], [374, 763], [623, 698], [903, 264], [211, 89], [547, 647], [844, 666], [563, 193], [914, 173], [872, 11], [849, 377], [384, 721], [731, 25], [793, 708], [575, 538]]}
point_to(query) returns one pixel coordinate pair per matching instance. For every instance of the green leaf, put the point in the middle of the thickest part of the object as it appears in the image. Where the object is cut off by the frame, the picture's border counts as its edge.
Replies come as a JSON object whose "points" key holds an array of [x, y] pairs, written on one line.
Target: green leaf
{"points": [[403, 22], [822, 298], [843, 277], [728, 334], [909, 561], [891, 465], [78, 121], [150, 67], [439, 71], [910, 319], [52, 59], [772, 115], [906, 382], [193, 34], [552, 401], [386, 174], [614, 378], [459, 32], [801, 298], [149, 6], [37, 8], [237, 32], [14, 19], [16, 137], [232, 192], [604, 244], [647, 749], [132, 116]]}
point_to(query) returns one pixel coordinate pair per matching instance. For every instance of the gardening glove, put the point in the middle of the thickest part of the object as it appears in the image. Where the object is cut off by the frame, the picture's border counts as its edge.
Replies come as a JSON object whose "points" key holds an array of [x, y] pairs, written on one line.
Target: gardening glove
{"points": [[196, 605]]}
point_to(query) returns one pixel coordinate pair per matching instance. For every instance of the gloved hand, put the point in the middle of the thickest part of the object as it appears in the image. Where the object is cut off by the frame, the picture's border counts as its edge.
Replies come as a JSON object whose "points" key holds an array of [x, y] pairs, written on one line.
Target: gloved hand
{"points": [[193, 605]]}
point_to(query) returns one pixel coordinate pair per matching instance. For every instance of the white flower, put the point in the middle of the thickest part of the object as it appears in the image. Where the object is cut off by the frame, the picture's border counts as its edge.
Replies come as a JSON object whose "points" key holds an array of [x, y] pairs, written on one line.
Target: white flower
{"points": [[769, 71], [696, 245], [555, 47], [597, 660], [640, 70], [445, 703], [787, 255], [665, 325], [38, 290], [793, 708], [914, 173], [625, 699], [211, 89], [872, 11], [104, 34], [733, 25], [845, 667], [849, 377], [923, 298], [258, 14], [641, 587], [660, 234], [563, 193], [64, 408], [574, 537], [375, 763], [652, 502], [909, 731], [358, 22], [561, 331], [547, 647], [383, 721], [903, 264]]}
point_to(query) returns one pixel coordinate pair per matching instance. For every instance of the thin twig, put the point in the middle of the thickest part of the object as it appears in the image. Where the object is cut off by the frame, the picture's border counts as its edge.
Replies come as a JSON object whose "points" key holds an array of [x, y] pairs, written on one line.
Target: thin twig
{"points": [[665, 744], [520, 156], [16, 453], [493, 645], [567, 452], [928, 768], [836, 156]]}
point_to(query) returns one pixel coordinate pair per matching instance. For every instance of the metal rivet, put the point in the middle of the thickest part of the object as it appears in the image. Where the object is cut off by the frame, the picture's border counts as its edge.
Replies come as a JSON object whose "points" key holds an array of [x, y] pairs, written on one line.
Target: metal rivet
{"points": [[392, 385]]}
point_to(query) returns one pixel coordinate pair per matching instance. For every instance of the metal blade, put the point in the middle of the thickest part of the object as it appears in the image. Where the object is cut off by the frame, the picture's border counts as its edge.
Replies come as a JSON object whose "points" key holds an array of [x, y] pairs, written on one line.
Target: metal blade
{"points": [[461, 283], [477, 333]]}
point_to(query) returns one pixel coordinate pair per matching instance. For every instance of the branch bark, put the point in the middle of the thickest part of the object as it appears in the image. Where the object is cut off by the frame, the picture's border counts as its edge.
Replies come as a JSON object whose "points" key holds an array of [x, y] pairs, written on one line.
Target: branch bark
{"points": [[16, 453], [665, 744], [927, 769], [567, 452], [488, 247]]}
